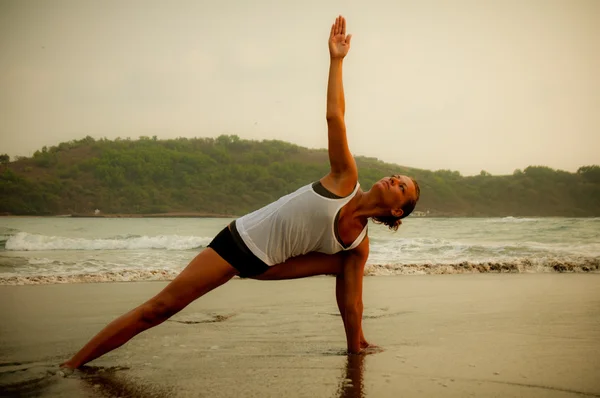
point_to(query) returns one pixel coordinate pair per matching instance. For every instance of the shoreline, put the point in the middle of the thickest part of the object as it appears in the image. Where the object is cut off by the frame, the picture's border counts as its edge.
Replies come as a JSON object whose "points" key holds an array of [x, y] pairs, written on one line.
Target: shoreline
{"points": [[371, 271]]}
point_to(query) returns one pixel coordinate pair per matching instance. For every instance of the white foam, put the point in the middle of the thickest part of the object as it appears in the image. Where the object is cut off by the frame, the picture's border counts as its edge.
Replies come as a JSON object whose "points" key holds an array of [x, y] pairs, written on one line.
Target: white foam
{"points": [[42, 261], [99, 277], [522, 265], [24, 241], [513, 219]]}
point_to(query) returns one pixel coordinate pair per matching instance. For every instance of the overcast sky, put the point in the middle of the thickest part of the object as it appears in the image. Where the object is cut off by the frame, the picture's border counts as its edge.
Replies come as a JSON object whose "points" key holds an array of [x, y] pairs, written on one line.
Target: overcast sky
{"points": [[465, 85]]}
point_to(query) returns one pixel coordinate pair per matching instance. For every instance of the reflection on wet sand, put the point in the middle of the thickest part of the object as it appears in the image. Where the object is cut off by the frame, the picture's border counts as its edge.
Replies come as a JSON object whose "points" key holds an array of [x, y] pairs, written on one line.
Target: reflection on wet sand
{"points": [[351, 385], [46, 380], [110, 383]]}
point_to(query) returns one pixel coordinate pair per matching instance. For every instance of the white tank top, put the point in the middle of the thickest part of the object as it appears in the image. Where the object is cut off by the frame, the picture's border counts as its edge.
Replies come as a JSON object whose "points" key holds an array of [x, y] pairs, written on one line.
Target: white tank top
{"points": [[298, 223]]}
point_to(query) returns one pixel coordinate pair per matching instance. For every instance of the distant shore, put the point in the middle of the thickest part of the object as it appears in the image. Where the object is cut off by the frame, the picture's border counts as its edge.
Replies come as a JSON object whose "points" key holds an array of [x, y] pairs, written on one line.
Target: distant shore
{"points": [[153, 215], [132, 215]]}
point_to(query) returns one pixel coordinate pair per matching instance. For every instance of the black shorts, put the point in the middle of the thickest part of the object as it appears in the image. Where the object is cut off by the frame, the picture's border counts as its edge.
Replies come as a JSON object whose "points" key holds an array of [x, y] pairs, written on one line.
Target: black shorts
{"points": [[229, 245]]}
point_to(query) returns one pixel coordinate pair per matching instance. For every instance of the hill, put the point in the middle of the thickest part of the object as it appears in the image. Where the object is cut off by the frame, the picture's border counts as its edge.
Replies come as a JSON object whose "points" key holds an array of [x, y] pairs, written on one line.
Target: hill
{"points": [[228, 175]]}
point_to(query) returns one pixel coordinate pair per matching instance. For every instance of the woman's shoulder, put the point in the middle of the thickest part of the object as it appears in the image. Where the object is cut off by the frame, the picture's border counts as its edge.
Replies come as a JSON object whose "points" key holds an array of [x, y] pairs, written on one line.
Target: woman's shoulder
{"points": [[341, 187]]}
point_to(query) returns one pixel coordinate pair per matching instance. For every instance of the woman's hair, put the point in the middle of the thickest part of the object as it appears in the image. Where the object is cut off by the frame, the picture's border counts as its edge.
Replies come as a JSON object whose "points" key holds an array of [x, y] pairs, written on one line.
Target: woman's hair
{"points": [[394, 222]]}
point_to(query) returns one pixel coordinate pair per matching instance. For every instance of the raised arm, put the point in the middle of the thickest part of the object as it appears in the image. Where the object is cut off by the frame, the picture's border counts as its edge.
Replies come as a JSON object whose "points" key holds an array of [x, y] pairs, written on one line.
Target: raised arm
{"points": [[343, 166]]}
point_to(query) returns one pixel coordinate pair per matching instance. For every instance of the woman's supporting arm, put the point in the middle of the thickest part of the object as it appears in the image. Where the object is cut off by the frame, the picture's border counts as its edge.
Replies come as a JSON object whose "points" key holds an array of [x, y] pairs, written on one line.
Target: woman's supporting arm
{"points": [[349, 296]]}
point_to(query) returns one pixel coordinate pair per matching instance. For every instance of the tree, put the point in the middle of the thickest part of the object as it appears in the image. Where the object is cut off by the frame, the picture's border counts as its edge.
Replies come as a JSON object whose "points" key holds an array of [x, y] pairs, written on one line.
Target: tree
{"points": [[590, 173], [232, 175]]}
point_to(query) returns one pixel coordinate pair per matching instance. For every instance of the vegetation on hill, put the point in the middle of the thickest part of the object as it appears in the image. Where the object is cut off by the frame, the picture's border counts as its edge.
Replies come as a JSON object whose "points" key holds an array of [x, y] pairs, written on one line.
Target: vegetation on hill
{"points": [[228, 175]]}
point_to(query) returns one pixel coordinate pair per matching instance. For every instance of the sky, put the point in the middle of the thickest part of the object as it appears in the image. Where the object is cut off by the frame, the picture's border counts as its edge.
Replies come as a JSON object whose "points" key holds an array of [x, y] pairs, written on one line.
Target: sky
{"points": [[465, 85]]}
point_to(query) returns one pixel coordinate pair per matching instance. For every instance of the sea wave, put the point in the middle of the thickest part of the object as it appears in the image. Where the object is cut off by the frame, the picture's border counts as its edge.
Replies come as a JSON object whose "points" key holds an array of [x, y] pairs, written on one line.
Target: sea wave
{"points": [[513, 219], [92, 277], [443, 250], [524, 265], [24, 241]]}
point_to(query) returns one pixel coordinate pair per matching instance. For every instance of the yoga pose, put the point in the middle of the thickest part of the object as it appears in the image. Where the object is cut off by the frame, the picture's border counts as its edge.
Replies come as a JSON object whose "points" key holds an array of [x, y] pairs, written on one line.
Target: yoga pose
{"points": [[319, 229]]}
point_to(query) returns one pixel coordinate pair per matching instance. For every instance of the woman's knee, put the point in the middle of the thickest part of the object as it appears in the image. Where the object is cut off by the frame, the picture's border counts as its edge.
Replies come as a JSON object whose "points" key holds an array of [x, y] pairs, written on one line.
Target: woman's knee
{"points": [[158, 310]]}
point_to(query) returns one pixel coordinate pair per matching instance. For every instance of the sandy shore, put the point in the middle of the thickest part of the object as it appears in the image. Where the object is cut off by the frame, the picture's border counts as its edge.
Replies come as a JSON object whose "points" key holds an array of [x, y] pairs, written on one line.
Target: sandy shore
{"points": [[500, 335]]}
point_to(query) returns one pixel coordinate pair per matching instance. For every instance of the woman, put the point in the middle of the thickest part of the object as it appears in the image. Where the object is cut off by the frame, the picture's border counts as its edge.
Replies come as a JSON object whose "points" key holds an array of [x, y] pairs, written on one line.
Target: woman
{"points": [[319, 229]]}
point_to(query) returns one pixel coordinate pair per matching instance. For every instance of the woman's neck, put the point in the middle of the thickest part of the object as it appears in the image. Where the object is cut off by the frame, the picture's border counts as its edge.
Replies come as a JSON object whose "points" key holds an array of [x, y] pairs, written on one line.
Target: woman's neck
{"points": [[362, 207]]}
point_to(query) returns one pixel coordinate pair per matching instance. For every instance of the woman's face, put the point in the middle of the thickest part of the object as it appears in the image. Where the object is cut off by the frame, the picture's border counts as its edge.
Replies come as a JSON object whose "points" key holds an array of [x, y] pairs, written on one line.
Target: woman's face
{"points": [[395, 191]]}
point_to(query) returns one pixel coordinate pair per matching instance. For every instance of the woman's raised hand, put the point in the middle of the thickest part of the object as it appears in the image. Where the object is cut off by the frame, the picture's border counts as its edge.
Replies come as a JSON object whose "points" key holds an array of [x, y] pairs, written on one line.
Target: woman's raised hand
{"points": [[339, 43]]}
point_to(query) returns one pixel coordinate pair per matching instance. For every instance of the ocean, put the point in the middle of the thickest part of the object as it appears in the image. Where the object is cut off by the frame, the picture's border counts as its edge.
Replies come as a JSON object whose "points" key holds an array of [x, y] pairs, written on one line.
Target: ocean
{"points": [[521, 320], [47, 250]]}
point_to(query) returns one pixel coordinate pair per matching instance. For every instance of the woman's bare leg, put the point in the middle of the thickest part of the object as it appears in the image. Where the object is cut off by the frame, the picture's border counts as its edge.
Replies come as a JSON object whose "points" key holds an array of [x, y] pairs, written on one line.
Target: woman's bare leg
{"points": [[204, 273]]}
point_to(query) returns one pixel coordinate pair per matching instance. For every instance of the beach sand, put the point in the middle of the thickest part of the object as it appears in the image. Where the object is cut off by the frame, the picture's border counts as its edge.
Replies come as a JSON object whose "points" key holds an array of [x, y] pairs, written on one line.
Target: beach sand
{"points": [[493, 335]]}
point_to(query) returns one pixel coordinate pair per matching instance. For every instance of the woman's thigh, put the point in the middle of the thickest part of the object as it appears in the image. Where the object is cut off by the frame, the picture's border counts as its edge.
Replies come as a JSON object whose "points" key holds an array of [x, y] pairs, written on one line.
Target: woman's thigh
{"points": [[205, 272], [310, 264]]}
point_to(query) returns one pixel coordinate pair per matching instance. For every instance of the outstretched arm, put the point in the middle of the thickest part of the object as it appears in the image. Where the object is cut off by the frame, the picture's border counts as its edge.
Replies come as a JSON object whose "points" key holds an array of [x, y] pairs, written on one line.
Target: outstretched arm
{"points": [[349, 296], [343, 167]]}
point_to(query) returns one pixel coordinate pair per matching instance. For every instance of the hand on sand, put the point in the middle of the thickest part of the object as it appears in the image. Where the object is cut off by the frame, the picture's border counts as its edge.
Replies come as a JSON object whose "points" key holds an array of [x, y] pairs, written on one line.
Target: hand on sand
{"points": [[65, 371], [367, 349], [339, 43], [371, 349]]}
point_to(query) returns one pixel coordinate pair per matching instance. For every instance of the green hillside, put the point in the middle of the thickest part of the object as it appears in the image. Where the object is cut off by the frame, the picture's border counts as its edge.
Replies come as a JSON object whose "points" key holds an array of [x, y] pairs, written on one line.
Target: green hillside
{"points": [[228, 175]]}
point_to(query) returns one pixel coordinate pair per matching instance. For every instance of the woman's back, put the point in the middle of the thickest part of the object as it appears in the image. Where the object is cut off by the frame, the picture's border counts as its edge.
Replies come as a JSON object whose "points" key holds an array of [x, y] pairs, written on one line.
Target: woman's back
{"points": [[298, 223]]}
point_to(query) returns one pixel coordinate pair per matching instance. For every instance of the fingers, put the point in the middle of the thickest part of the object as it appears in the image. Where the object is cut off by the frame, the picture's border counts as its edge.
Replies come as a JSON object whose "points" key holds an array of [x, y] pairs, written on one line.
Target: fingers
{"points": [[339, 26]]}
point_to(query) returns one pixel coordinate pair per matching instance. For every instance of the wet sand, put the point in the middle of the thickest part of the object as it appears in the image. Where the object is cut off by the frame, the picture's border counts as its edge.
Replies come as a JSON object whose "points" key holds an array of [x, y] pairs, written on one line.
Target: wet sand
{"points": [[504, 335]]}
